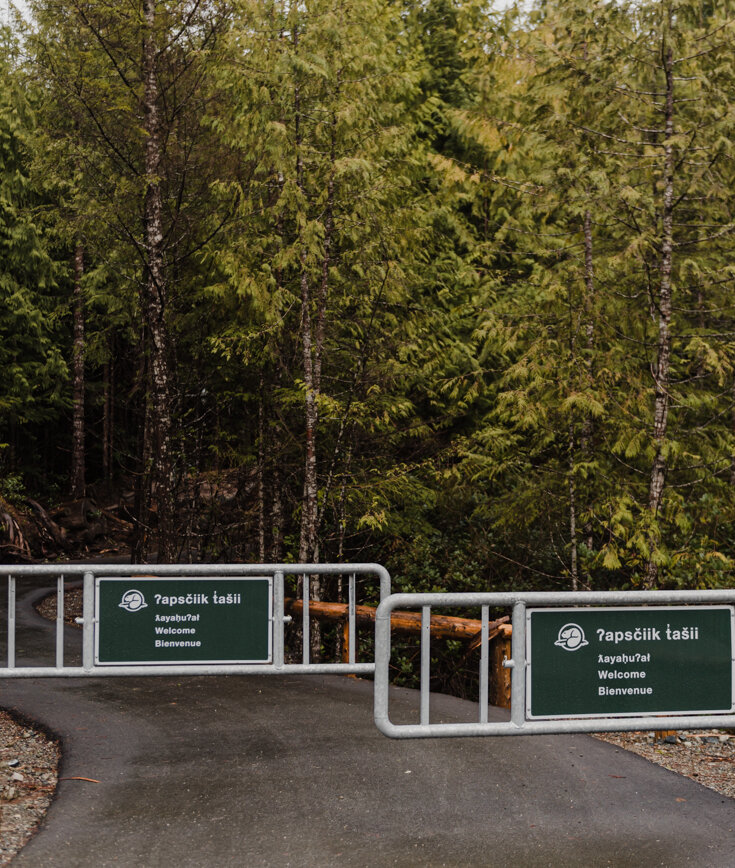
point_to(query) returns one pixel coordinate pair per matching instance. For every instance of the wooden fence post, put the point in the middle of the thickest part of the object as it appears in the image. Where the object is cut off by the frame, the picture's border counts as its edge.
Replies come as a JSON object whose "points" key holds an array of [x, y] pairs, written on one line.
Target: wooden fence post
{"points": [[500, 681]]}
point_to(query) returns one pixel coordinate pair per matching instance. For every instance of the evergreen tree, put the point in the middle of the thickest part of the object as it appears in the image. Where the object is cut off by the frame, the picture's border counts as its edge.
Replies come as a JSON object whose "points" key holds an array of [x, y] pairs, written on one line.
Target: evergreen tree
{"points": [[614, 374], [34, 373], [317, 119], [137, 143]]}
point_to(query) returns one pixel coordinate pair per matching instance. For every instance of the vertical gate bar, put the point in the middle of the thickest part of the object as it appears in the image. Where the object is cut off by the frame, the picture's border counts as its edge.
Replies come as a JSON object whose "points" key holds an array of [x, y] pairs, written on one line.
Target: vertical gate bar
{"points": [[60, 622], [518, 672], [89, 625], [382, 666], [425, 662], [351, 616], [484, 661], [305, 628], [11, 622], [278, 625]]}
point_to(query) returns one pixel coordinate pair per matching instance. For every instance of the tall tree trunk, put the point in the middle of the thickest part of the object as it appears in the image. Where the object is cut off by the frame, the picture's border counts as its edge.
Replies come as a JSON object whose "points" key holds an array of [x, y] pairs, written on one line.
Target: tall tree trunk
{"points": [[589, 327], [309, 515], [276, 518], [309, 500], [663, 361], [307, 540], [141, 506], [78, 458], [573, 513], [571, 449], [276, 480], [307, 537], [161, 471], [108, 419], [313, 358], [341, 512], [321, 312], [261, 474]]}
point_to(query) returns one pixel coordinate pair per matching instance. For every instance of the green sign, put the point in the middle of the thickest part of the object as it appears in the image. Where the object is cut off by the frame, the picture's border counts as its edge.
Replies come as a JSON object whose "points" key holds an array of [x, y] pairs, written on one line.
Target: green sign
{"points": [[609, 661], [178, 620]]}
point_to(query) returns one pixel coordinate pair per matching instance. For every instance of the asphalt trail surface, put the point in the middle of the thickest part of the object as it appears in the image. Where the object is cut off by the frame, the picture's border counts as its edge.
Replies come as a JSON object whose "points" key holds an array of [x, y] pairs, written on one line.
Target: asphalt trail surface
{"points": [[290, 771]]}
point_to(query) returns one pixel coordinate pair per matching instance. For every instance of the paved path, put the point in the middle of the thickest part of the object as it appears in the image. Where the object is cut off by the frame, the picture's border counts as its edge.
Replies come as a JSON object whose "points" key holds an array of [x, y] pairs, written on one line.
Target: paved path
{"points": [[290, 771]]}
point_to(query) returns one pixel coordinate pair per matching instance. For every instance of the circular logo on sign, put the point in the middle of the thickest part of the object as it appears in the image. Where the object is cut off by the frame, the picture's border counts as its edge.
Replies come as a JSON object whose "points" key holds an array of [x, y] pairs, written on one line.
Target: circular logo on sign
{"points": [[571, 638], [133, 601]]}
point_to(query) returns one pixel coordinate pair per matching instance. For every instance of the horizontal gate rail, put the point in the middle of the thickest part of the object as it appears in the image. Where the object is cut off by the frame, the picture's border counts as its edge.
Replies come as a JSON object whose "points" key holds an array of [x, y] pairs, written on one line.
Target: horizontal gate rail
{"points": [[90, 573], [519, 724]]}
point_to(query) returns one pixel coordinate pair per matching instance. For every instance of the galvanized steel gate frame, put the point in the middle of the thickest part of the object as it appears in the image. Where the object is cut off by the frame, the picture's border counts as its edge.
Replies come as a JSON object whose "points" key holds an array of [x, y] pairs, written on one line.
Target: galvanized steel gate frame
{"points": [[90, 572], [519, 602], [518, 723]]}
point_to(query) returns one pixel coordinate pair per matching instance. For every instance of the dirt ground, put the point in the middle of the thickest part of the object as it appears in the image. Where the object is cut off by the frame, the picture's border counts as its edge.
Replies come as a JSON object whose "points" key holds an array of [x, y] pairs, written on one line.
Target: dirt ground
{"points": [[29, 761], [705, 756]]}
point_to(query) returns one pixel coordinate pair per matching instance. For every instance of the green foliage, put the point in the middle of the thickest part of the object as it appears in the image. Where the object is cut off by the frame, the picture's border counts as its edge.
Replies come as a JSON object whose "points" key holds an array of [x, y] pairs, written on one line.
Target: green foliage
{"points": [[12, 488], [572, 106], [466, 208], [31, 388]]}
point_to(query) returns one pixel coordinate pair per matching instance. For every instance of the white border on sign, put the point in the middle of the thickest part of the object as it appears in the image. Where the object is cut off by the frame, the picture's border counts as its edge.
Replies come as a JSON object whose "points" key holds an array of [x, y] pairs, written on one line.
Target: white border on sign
{"points": [[678, 713], [141, 580]]}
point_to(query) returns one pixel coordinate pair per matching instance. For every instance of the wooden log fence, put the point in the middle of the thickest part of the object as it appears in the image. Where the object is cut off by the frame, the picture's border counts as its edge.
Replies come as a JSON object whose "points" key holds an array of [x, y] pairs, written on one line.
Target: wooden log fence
{"points": [[442, 627]]}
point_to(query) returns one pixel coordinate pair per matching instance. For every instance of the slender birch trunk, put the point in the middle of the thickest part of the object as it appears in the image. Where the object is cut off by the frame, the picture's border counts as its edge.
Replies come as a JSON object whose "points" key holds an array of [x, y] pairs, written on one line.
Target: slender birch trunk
{"points": [[663, 360], [161, 472]]}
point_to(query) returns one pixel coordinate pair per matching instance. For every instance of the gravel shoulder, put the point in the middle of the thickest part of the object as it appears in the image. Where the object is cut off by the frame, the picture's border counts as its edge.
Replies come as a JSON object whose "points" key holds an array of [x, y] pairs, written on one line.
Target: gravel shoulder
{"points": [[704, 756], [73, 606], [29, 762]]}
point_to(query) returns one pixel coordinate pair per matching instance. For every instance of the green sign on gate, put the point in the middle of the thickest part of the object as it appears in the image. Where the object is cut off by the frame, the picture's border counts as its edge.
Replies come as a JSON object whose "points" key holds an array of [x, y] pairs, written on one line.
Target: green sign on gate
{"points": [[177, 620], [613, 661]]}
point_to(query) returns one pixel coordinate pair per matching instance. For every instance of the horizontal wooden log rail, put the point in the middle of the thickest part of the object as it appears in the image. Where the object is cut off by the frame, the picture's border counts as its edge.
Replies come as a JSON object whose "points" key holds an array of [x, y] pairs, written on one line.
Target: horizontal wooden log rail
{"points": [[442, 626]]}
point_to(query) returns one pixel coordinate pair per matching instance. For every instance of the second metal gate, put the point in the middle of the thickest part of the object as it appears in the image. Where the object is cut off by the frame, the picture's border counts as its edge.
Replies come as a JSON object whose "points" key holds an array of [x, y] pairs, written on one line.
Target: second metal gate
{"points": [[570, 637]]}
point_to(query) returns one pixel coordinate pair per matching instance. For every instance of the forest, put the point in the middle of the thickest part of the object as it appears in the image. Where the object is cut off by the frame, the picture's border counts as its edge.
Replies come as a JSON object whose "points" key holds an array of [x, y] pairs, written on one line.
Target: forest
{"points": [[432, 283]]}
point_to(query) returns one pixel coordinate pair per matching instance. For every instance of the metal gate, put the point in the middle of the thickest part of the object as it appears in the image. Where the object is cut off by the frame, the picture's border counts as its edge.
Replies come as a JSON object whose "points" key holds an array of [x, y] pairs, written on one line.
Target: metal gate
{"points": [[134, 577], [567, 615], [698, 625]]}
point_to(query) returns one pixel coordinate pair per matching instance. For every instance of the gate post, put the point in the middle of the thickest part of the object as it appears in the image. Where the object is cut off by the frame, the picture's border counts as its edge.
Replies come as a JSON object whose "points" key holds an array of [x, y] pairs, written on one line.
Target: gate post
{"points": [[88, 614], [11, 622], [518, 677], [278, 604]]}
